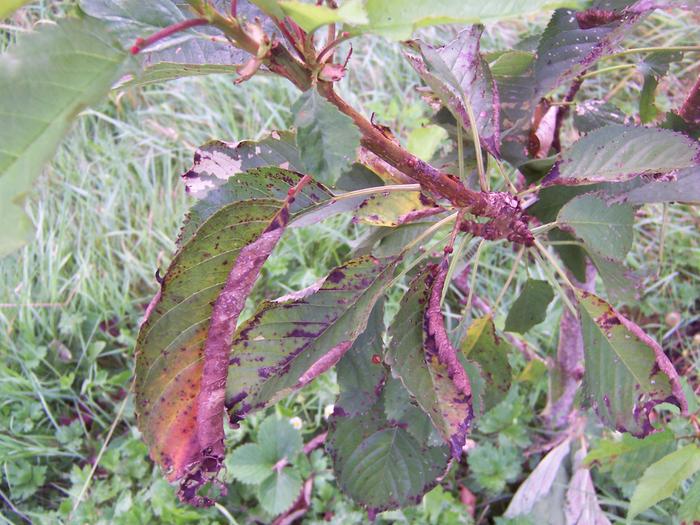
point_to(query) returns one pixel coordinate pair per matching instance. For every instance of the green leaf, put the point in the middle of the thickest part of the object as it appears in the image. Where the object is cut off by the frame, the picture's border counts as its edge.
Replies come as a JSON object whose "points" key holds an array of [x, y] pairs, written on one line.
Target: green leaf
{"points": [[594, 114], [164, 71], [616, 153], [647, 99], [494, 467], [394, 208], [423, 369], [629, 456], [7, 7], [46, 79], [310, 17], [327, 139], [379, 462], [277, 493], [482, 346], [606, 230], [662, 478], [572, 255], [270, 7], [359, 377], [530, 308], [626, 372], [397, 20], [250, 464], [286, 344], [511, 63], [458, 75], [689, 511], [279, 439], [620, 282], [424, 141]]}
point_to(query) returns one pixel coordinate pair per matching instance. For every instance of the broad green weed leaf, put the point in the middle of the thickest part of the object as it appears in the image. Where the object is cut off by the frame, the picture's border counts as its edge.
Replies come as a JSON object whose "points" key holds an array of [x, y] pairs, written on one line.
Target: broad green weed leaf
{"points": [[662, 478], [279, 439], [286, 344], [530, 308], [689, 511], [327, 139], [277, 493], [424, 141], [249, 464], [617, 153], [604, 229], [46, 79], [310, 17], [482, 346], [459, 76], [626, 371]]}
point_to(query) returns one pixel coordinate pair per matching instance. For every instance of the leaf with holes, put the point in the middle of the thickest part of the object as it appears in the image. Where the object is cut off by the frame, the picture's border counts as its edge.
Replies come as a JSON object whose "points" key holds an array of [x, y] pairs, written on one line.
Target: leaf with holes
{"points": [[626, 371], [617, 153], [459, 76], [287, 344], [427, 364], [46, 79], [327, 139]]}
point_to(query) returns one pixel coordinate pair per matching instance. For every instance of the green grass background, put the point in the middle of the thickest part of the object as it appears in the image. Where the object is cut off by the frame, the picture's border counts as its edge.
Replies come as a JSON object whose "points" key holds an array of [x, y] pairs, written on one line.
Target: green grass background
{"points": [[107, 211]]}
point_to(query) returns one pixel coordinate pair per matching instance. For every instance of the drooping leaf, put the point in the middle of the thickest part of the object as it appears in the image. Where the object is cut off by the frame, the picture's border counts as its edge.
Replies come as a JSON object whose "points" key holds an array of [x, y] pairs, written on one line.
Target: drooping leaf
{"points": [[380, 459], [396, 20], [539, 483], [616, 153], [310, 17], [194, 52], [360, 376], [459, 75], [232, 243], [425, 361], [662, 478], [277, 493], [530, 308], [626, 371], [482, 346], [582, 506], [629, 456], [604, 229], [594, 114], [327, 139], [46, 79], [285, 345]]}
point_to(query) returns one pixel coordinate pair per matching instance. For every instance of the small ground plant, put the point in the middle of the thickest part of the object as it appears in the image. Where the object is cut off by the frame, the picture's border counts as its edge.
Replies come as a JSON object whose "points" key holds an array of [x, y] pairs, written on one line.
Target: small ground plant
{"points": [[512, 156]]}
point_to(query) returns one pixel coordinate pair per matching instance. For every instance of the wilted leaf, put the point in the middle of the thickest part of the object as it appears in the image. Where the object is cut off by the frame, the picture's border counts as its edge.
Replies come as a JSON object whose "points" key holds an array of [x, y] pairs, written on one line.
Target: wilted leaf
{"points": [[285, 345], [327, 139], [626, 371], [179, 378], [629, 456], [616, 153], [530, 308], [482, 346], [423, 358], [310, 17], [378, 460], [458, 75], [604, 229], [46, 79], [397, 20], [582, 506], [662, 478]]}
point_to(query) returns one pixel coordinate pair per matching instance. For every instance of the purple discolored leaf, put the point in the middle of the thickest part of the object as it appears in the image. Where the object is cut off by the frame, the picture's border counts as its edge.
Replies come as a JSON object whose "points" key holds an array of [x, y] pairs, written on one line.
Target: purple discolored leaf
{"points": [[424, 359], [459, 75], [626, 371]]}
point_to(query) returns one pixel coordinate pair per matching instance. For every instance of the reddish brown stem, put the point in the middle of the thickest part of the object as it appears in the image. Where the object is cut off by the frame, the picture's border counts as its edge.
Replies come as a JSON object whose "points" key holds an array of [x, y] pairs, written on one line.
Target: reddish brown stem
{"points": [[142, 43], [690, 110]]}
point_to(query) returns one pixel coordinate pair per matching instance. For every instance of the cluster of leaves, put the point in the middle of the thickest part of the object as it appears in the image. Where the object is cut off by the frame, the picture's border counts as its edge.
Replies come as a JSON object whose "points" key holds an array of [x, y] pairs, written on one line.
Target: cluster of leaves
{"points": [[410, 390]]}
